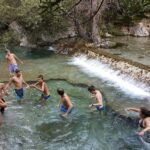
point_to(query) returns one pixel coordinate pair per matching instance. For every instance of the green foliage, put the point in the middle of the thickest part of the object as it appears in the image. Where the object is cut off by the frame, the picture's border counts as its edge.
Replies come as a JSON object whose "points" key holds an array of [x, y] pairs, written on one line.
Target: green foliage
{"points": [[132, 10], [23, 11], [50, 5]]}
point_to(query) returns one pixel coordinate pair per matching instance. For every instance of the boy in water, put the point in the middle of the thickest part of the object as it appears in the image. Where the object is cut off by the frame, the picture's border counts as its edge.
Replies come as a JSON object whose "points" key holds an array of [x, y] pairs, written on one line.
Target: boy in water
{"points": [[11, 59], [3, 104], [42, 87], [18, 82], [98, 96], [66, 106]]}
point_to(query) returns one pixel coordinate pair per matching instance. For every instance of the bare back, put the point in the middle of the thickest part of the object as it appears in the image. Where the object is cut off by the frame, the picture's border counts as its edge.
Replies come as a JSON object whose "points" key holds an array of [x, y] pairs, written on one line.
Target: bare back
{"points": [[66, 101], [98, 97]]}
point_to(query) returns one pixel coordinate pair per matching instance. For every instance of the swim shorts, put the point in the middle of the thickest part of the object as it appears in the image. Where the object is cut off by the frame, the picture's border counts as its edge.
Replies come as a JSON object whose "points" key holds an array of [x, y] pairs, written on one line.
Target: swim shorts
{"points": [[64, 109], [19, 93], [100, 107], [45, 97], [13, 68]]}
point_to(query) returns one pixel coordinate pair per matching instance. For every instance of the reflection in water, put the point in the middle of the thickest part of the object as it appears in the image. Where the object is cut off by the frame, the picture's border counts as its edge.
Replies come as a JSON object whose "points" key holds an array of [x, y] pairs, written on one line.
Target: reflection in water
{"points": [[31, 126]]}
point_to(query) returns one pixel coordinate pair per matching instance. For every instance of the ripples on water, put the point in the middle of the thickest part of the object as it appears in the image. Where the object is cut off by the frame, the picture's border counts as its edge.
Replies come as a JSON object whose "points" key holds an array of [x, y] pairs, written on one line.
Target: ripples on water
{"points": [[32, 126]]}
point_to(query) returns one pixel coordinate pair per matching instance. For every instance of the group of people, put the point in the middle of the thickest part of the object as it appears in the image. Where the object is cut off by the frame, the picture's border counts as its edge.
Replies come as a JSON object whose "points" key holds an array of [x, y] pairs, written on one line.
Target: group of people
{"points": [[65, 105]]}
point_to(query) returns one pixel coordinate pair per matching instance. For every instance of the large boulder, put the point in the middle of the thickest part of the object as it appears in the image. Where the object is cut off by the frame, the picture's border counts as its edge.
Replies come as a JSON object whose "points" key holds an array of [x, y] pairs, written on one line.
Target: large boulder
{"points": [[20, 35], [140, 30]]}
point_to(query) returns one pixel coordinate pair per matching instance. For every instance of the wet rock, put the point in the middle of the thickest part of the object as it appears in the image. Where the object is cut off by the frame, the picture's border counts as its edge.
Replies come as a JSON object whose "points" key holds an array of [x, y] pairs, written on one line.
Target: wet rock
{"points": [[108, 44], [20, 35], [107, 35], [140, 30], [123, 67]]}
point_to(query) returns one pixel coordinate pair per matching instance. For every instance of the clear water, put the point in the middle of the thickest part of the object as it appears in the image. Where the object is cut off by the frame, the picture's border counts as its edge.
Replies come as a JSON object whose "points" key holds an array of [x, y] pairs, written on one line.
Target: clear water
{"points": [[32, 126], [136, 49]]}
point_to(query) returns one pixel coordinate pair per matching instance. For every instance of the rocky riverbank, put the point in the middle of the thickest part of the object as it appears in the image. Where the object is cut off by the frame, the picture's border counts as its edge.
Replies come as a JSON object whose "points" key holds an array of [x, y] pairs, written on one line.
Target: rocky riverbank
{"points": [[136, 70]]}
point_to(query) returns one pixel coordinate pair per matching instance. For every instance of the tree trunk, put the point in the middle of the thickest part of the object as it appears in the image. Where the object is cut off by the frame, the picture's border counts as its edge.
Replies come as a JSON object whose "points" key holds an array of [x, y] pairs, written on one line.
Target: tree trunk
{"points": [[94, 23]]}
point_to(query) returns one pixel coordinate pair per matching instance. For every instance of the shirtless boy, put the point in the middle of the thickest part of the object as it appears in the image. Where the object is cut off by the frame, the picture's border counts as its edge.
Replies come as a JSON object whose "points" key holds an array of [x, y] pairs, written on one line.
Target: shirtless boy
{"points": [[11, 59], [66, 106], [18, 81], [42, 87], [98, 96]]}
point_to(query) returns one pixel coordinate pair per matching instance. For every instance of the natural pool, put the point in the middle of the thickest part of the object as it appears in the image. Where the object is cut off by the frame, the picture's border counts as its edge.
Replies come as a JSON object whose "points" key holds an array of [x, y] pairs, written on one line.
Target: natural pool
{"points": [[30, 126]]}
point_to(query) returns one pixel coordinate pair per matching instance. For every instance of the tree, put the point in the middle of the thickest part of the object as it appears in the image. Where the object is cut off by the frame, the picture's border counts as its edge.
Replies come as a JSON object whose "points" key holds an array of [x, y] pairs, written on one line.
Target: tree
{"points": [[84, 13]]}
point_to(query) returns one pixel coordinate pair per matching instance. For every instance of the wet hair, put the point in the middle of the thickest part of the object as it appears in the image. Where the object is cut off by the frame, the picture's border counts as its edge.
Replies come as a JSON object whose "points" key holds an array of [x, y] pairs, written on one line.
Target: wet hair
{"points": [[91, 88], [17, 71], [41, 77], [60, 91], [145, 112]]}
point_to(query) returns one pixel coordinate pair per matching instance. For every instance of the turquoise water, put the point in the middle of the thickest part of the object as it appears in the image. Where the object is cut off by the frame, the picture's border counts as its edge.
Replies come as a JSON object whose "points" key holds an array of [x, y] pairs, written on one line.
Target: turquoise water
{"points": [[30, 126], [136, 49]]}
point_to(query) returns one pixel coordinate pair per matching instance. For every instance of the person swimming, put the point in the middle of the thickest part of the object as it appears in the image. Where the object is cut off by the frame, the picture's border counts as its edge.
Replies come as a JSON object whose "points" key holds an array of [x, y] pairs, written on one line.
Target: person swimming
{"points": [[65, 104], [18, 82], [144, 121], [98, 96], [42, 87]]}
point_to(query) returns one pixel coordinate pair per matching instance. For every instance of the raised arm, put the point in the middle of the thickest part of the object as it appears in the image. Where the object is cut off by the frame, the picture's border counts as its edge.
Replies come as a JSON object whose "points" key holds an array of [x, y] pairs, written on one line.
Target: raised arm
{"points": [[18, 59]]}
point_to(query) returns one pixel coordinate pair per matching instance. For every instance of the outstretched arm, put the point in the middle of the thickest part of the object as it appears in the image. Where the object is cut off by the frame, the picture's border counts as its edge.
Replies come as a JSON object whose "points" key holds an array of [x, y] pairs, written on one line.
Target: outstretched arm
{"points": [[18, 59], [133, 109], [27, 85], [38, 88], [9, 83]]}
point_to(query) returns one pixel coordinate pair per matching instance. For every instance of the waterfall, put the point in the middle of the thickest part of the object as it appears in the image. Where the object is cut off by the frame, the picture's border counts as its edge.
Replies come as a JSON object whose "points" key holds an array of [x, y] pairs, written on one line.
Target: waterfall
{"points": [[124, 83]]}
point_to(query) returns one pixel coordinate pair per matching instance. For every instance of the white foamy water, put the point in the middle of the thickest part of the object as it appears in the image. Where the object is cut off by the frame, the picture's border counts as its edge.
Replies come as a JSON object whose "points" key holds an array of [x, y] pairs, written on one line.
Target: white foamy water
{"points": [[96, 68]]}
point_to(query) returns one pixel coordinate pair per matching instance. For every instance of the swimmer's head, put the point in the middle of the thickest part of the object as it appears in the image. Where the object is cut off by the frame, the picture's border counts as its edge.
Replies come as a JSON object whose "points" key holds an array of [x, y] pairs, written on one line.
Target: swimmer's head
{"points": [[60, 91], [92, 89], [18, 73], [144, 112], [40, 78]]}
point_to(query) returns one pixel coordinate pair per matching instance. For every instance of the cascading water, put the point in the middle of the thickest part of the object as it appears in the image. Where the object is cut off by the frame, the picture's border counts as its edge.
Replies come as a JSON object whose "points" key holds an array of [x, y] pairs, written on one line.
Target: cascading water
{"points": [[103, 71]]}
